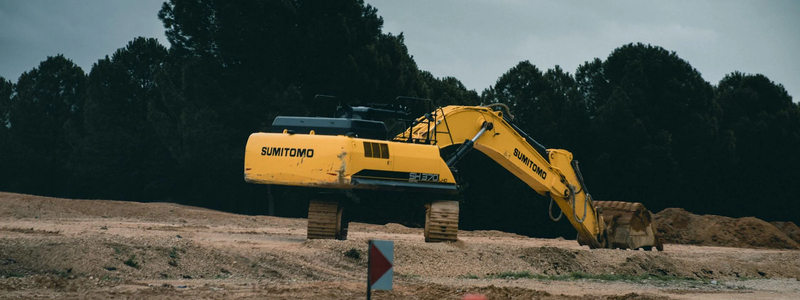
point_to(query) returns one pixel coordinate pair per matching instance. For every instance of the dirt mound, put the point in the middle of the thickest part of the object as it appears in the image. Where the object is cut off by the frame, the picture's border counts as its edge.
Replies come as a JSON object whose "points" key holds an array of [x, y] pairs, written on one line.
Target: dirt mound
{"points": [[678, 226], [790, 229], [21, 206]]}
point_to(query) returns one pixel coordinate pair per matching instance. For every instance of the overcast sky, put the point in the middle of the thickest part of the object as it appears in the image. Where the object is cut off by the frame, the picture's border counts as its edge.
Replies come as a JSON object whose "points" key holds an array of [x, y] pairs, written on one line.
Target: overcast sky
{"points": [[83, 30], [475, 41]]}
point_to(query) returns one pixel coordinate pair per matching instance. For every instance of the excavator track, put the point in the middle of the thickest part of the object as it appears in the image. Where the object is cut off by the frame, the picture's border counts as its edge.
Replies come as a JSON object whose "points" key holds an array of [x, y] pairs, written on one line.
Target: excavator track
{"points": [[629, 225], [441, 221], [325, 220]]}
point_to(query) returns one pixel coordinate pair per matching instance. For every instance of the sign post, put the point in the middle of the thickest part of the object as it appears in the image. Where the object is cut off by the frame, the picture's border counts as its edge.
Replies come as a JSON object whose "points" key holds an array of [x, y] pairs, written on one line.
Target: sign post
{"points": [[380, 266]]}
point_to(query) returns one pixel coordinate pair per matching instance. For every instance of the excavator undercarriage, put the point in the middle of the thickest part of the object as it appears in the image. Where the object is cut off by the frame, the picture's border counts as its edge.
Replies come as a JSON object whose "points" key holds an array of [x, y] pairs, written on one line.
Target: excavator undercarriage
{"points": [[354, 153]]}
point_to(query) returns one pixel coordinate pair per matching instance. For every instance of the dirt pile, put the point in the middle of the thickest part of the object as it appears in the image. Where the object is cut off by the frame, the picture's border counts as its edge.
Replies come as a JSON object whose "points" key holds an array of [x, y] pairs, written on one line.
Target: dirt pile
{"points": [[790, 229], [678, 226], [21, 206]]}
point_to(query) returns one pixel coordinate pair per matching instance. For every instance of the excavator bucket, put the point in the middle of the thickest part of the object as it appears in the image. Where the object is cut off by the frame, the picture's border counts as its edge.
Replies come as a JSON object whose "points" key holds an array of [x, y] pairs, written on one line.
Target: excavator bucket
{"points": [[629, 225]]}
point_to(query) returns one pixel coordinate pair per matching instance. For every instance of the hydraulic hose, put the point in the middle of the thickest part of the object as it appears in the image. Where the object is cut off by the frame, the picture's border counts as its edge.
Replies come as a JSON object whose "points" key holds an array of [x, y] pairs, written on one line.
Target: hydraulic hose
{"points": [[585, 204], [508, 111], [550, 212]]}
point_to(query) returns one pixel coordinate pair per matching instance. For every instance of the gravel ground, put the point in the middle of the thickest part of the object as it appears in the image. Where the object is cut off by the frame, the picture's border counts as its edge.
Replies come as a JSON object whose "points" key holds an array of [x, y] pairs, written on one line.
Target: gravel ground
{"points": [[96, 249]]}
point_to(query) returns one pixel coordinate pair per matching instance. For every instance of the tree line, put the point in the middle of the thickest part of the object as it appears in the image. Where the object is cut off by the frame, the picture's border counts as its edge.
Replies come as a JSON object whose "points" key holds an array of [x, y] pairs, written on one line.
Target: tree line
{"points": [[151, 123]]}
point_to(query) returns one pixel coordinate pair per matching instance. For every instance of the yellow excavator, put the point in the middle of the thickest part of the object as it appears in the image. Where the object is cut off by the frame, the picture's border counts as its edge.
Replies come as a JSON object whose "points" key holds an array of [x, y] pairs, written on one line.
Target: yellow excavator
{"points": [[354, 151]]}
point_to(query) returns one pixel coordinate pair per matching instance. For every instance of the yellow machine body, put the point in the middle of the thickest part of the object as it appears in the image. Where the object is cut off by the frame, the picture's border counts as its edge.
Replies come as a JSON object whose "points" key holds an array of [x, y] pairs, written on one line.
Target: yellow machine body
{"points": [[341, 162]]}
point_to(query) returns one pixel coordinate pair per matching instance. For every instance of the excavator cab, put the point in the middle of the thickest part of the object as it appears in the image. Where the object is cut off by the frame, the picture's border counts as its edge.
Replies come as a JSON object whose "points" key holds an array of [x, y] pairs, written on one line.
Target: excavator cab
{"points": [[359, 121], [367, 129]]}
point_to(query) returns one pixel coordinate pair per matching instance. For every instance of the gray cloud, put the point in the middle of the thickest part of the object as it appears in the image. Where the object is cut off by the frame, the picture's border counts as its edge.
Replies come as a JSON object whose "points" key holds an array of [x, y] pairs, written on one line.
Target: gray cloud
{"points": [[84, 30], [477, 41]]}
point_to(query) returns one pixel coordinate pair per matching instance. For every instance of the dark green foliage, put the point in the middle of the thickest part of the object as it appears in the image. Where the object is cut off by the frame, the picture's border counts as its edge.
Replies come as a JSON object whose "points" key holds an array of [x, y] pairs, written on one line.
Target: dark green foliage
{"points": [[653, 128], [648, 128], [6, 93], [47, 100], [117, 155], [264, 49], [197, 129], [545, 105], [448, 91], [761, 127]]}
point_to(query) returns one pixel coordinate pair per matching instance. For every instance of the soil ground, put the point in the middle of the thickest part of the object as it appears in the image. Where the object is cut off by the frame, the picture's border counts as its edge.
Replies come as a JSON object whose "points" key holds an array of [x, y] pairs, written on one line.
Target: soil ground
{"points": [[96, 249]]}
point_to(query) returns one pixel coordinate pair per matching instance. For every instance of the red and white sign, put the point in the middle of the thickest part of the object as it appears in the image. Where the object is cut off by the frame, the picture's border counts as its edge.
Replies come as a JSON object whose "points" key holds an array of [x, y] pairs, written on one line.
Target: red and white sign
{"points": [[381, 260]]}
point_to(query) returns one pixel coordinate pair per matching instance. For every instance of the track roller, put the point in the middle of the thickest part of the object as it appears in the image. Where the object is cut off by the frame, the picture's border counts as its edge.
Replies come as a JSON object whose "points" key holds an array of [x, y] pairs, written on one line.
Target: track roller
{"points": [[441, 221], [325, 220]]}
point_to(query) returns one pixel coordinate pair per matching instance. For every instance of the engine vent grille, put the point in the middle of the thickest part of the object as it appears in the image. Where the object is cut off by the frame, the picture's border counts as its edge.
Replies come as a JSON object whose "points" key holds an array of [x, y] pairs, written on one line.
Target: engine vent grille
{"points": [[376, 150]]}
